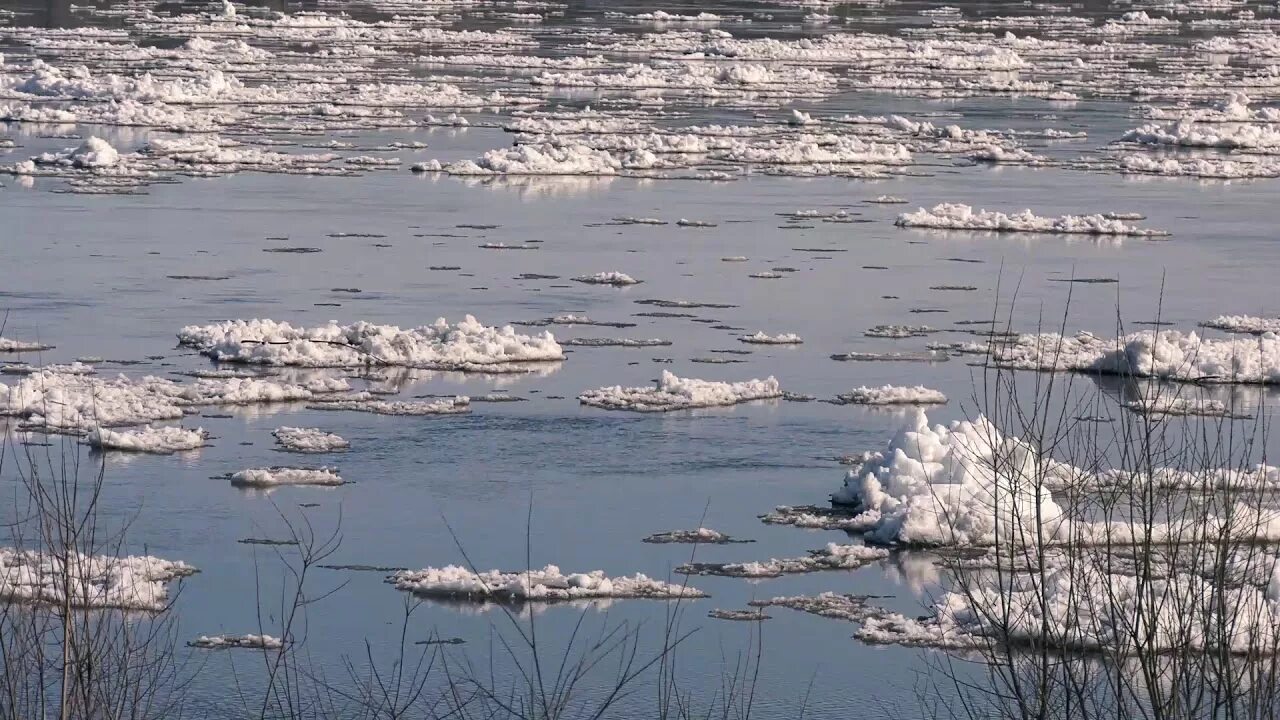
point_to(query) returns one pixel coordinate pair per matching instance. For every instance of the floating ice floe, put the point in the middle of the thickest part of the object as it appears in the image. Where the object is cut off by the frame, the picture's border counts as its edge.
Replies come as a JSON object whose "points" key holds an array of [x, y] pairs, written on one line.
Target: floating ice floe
{"points": [[1154, 609], [955, 216], [1164, 354], [94, 152], [832, 557], [547, 584], [446, 406], [899, 331], [274, 476], [1163, 404], [227, 642], [836, 517], [675, 393], [1247, 324], [89, 581], [968, 484], [308, 440], [16, 346], [700, 536], [616, 342], [615, 278], [74, 402], [541, 160], [762, 338], [738, 615], [466, 345], [159, 440], [892, 395], [1237, 168]]}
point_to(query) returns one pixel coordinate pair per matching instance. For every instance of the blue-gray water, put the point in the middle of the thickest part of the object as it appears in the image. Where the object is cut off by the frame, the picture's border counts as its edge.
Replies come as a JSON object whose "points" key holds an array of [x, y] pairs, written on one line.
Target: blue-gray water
{"points": [[89, 274]]}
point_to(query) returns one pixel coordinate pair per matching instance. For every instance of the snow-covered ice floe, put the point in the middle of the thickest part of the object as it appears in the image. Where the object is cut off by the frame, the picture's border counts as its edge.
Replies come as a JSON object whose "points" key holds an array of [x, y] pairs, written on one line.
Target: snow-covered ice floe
{"points": [[812, 517], [1179, 613], [159, 440], [227, 642], [832, 557], [547, 584], [763, 338], [892, 395], [1247, 324], [133, 582], [615, 278], [466, 345], [675, 393], [73, 402], [16, 346], [955, 216], [1164, 354], [700, 536], [266, 477], [445, 406], [308, 440]]}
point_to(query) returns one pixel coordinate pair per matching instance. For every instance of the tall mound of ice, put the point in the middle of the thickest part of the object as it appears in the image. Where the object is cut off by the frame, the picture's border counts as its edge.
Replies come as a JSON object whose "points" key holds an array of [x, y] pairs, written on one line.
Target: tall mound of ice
{"points": [[466, 345], [952, 485]]}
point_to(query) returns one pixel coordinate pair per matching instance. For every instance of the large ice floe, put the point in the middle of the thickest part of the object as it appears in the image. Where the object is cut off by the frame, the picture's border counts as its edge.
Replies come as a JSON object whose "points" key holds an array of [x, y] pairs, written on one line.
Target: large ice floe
{"points": [[159, 440], [73, 402], [675, 393], [546, 584], [466, 345], [956, 216], [1247, 324], [1165, 354], [88, 581]]}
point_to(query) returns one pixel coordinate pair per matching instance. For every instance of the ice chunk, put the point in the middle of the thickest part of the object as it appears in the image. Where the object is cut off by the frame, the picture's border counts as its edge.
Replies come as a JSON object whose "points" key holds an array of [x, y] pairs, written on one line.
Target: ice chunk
{"points": [[159, 440], [16, 346], [1244, 324], [617, 279], [466, 345], [547, 584], [956, 216], [700, 536], [89, 581], [1165, 354], [935, 486], [892, 395], [309, 440], [761, 338], [675, 393], [447, 406], [225, 642], [273, 476], [832, 557]]}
